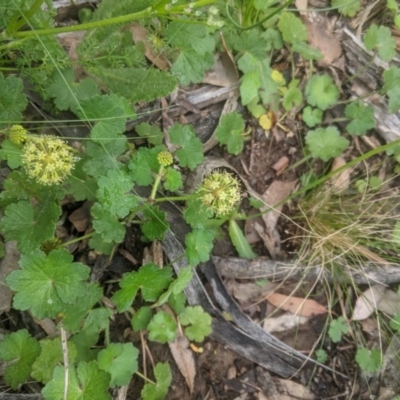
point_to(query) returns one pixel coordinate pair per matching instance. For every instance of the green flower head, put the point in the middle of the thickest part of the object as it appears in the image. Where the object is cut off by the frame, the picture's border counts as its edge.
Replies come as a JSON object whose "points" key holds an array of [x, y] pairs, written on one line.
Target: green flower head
{"points": [[165, 158], [17, 134], [220, 191], [47, 159]]}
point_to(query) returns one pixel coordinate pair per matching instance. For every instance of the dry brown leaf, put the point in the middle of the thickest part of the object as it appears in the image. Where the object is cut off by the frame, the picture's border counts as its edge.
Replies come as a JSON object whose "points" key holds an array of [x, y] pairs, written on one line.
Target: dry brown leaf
{"points": [[296, 305], [8, 264], [327, 43], [294, 390], [184, 359], [223, 73], [301, 5], [249, 292], [367, 303], [81, 217], [389, 303], [276, 192], [281, 165], [283, 323], [139, 34], [340, 181]]}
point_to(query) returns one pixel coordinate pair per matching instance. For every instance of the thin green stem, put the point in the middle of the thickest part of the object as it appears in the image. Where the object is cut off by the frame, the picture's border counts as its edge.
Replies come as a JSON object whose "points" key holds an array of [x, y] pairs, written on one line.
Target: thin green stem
{"points": [[302, 161], [78, 239], [145, 378], [269, 16], [176, 198]]}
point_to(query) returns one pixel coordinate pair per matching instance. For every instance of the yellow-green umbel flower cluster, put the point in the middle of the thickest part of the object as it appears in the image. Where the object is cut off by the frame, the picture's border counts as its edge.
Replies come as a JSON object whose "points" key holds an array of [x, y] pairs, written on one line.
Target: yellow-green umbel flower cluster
{"points": [[165, 158], [220, 191], [47, 159], [17, 134]]}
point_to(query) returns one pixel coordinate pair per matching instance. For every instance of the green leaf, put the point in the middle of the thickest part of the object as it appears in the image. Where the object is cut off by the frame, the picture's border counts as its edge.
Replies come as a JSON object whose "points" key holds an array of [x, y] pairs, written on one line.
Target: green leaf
{"points": [[177, 302], [84, 343], [79, 184], [395, 323], [293, 30], [321, 91], [159, 391], [322, 356], [248, 63], [54, 279], [312, 116], [150, 279], [11, 153], [230, 132], [197, 322], [141, 318], [259, 71], [249, 87], [362, 118], [104, 156], [369, 360], [190, 153], [142, 164], [326, 143], [394, 99], [306, 51], [155, 225], [195, 51], [13, 100], [196, 214], [162, 328], [391, 78], [113, 193], [98, 244], [239, 241], [137, 84], [190, 68], [68, 93], [199, 244], [97, 320], [87, 382], [255, 44], [337, 328], [107, 225], [274, 38], [293, 96], [173, 180], [30, 225], [120, 361], [19, 350], [50, 356], [380, 39], [349, 8], [396, 233], [177, 286], [108, 113], [74, 314], [152, 133]]}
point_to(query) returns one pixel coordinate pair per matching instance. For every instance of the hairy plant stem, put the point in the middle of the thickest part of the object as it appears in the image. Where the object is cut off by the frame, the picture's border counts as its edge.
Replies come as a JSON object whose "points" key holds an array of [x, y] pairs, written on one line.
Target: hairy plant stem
{"points": [[157, 183], [148, 12]]}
